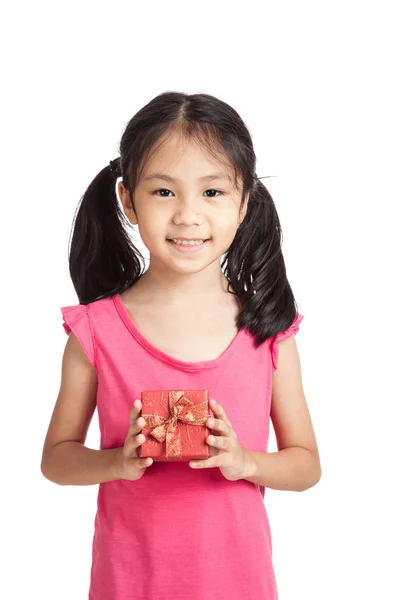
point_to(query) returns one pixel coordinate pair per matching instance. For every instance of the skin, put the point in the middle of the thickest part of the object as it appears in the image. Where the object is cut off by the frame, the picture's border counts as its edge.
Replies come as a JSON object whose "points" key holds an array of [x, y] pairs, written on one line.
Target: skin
{"points": [[189, 209]]}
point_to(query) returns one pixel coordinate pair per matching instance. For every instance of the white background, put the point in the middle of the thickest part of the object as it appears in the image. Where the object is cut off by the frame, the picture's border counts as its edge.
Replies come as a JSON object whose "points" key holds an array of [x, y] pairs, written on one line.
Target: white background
{"points": [[317, 84]]}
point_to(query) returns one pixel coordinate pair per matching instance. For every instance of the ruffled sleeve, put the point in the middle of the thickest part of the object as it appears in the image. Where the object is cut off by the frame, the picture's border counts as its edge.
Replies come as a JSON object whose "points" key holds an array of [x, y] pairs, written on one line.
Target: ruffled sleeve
{"points": [[282, 335], [76, 318]]}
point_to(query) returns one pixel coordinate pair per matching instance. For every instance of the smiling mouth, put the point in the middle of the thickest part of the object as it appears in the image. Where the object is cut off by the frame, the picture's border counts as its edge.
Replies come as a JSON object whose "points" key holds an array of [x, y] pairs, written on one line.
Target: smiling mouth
{"points": [[188, 248], [190, 242]]}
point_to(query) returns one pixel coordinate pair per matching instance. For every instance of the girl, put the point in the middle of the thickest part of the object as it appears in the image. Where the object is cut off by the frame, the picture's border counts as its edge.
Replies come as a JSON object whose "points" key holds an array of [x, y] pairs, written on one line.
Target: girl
{"points": [[193, 530]]}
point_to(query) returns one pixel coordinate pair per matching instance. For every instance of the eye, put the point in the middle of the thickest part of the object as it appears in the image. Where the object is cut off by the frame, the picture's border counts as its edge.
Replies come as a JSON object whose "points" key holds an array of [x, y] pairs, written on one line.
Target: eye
{"points": [[155, 193], [213, 190]]}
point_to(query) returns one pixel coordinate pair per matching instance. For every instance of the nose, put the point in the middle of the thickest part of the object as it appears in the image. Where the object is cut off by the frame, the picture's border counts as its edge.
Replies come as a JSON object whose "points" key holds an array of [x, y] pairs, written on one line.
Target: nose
{"points": [[187, 213]]}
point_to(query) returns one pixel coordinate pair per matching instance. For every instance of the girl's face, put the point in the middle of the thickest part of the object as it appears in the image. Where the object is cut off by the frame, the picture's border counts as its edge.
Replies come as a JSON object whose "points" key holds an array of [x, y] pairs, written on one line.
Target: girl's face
{"points": [[181, 195]]}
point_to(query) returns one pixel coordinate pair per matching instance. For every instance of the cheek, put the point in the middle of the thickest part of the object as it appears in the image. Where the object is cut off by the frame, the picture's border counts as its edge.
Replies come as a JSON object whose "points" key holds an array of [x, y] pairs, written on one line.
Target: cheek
{"points": [[152, 226], [227, 229]]}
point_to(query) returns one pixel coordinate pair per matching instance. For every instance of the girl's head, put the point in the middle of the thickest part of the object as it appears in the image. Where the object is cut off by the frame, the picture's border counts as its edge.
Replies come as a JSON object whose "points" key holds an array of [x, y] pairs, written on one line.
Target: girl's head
{"points": [[187, 165], [186, 188]]}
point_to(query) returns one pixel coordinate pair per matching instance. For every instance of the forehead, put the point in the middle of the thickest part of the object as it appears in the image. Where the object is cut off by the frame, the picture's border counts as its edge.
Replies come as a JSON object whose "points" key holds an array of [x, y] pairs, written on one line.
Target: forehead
{"points": [[177, 159]]}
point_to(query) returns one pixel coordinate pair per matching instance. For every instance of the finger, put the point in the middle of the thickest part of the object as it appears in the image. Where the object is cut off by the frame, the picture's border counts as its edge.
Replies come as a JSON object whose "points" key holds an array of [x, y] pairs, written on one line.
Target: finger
{"points": [[216, 408], [220, 442], [136, 423], [142, 463], [228, 430], [220, 412], [213, 450], [145, 460], [218, 426], [132, 443], [135, 410], [136, 426], [214, 461]]}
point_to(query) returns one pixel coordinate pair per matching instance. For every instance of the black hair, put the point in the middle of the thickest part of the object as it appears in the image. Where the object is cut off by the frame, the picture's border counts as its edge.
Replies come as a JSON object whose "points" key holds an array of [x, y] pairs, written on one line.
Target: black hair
{"points": [[103, 260]]}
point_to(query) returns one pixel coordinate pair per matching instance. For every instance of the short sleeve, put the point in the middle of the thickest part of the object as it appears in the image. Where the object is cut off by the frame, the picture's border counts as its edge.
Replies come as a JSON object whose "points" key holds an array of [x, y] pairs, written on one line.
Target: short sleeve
{"points": [[76, 318], [292, 330]]}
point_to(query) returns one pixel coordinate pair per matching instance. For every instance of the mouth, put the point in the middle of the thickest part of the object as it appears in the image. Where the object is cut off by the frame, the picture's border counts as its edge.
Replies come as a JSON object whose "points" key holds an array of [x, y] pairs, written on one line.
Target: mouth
{"points": [[189, 245], [188, 241]]}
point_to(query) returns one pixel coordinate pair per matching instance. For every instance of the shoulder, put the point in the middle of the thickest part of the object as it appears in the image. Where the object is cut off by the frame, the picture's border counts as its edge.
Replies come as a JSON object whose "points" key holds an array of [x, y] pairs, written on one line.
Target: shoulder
{"points": [[76, 319], [284, 335], [85, 320]]}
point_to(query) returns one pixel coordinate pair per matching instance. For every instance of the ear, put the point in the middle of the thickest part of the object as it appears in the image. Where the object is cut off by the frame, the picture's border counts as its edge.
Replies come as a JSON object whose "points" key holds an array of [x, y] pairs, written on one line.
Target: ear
{"points": [[126, 202], [243, 210]]}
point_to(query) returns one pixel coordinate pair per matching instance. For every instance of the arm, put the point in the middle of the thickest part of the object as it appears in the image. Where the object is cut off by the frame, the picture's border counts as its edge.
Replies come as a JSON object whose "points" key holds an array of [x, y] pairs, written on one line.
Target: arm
{"points": [[65, 459], [72, 463], [295, 469], [296, 465]]}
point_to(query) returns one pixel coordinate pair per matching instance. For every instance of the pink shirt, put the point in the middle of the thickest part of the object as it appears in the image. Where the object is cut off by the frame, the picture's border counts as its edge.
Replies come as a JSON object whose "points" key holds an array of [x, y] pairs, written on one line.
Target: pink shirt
{"points": [[178, 533]]}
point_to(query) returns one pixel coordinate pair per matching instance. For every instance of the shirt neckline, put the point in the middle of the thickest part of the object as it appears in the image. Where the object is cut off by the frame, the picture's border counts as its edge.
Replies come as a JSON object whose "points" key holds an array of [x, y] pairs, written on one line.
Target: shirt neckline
{"points": [[181, 364]]}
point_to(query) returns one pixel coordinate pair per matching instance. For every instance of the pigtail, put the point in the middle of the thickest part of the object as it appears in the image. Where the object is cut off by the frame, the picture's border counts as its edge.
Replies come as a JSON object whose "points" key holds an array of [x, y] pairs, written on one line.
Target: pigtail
{"points": [[102, 260], [255, 268]]}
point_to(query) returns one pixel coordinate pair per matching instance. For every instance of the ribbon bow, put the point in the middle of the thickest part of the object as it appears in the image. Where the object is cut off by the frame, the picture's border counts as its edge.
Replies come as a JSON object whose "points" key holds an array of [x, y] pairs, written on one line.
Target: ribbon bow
{"points": [[181, 409]]}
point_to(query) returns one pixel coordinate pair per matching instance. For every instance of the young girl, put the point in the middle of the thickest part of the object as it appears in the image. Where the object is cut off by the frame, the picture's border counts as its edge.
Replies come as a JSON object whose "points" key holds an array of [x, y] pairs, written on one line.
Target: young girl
{"points": [[194, 529]]}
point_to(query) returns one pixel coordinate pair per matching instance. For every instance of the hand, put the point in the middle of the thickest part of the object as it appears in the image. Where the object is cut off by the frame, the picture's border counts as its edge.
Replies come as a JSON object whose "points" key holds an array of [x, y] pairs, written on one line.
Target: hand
{"points": [[226, 453], [130, 465]]}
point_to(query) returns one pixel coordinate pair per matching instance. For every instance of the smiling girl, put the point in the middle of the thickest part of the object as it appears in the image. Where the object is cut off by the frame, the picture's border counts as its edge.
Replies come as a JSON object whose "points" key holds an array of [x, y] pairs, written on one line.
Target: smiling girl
{"points": [[214, 310]]}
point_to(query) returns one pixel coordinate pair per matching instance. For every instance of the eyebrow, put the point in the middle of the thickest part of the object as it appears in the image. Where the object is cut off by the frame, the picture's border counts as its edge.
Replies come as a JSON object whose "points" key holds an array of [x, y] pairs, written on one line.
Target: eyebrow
{"points": [[173, 180]]}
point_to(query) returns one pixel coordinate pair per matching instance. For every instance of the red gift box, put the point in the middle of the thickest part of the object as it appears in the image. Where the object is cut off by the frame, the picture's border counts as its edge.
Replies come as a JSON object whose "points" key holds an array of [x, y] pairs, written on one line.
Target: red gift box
{"points": [[175, 427]]}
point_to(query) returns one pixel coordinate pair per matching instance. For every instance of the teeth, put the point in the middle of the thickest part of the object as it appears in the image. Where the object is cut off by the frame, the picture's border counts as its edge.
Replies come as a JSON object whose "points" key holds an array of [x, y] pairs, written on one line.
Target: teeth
{"points": [[189, 243]]}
